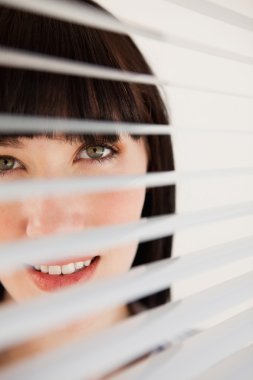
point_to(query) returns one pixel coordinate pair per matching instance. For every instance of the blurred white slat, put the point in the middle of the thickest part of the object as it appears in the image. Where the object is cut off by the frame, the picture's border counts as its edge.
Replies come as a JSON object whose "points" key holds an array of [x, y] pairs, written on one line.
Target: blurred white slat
{"points": [[81, 14], [61, 246], [26, 124], [244, 6], [21, 189], [216, 11], [135, 284], [84, 15], [137, 335], [11, 123], [237, 366], [16, 58], [27, 60], [210, 347], [178, 20], [198, 353], [65, 186]]}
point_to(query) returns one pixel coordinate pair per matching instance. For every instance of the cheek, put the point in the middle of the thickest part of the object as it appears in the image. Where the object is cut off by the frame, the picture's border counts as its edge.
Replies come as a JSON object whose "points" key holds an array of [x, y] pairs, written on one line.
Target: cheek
{"points": [[19, 286], [11, 221], [116, 207], [117, 261]]}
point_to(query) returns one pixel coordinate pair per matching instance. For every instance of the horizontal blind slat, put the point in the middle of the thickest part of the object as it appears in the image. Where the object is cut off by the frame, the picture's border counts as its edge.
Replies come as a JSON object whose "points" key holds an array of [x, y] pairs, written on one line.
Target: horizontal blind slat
{"points": [[85, 15], [137, 283], [22, 189], [207, 349], [87, 184], [26, 124], [150, 330], [216, 11], [236, 366], [61, 246], [16, 58]]}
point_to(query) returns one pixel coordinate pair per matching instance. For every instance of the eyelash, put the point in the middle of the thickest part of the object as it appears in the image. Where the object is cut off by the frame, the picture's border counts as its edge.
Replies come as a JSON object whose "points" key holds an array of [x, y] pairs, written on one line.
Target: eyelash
{"points": [[113, 154]]}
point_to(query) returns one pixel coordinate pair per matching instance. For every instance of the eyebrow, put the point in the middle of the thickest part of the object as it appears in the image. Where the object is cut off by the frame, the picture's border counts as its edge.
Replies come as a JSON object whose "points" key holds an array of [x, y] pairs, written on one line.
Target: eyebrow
{"points": [[14, 141]]}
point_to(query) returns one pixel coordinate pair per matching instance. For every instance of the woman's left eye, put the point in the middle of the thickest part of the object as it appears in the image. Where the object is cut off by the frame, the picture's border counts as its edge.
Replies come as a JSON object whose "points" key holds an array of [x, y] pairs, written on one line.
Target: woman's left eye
{"points": [[96, 152]]}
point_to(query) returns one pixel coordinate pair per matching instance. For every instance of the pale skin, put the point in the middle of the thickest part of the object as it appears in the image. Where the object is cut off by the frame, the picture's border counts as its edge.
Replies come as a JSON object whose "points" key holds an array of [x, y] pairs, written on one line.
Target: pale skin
{"points": [[41, 157]]}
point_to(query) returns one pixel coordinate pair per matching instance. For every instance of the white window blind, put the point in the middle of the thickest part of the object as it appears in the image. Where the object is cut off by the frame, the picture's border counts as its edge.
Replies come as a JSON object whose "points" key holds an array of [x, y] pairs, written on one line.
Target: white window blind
{"points": [[202, 56]]}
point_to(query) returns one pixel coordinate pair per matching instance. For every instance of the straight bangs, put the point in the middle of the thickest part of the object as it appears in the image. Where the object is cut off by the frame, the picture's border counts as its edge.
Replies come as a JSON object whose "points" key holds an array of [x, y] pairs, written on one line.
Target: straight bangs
{"points": [[60, 96], [56, 95]]}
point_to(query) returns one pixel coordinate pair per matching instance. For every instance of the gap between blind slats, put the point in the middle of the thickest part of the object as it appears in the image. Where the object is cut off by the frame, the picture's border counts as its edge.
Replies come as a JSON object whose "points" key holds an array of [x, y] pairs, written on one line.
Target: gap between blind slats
{"points": [[199, 353], [12, 123], [139, 282], [237, 366], [16, 58], [216, 11], [62, 246], [21, 189], [86, 15], [138, 334]]}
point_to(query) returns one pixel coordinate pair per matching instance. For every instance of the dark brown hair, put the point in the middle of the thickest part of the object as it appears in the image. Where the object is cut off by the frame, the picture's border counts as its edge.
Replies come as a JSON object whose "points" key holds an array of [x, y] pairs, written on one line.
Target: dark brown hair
{"points": [[46, 94]]}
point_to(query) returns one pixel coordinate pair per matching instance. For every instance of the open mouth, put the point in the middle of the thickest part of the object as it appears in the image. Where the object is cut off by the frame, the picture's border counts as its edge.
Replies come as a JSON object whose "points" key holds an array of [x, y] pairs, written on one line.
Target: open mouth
{"points": [[52, 277]]}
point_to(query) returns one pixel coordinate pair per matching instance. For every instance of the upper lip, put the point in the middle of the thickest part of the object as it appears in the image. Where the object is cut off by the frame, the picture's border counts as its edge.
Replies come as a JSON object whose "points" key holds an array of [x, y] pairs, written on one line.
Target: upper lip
{"points": [[64, 262]]}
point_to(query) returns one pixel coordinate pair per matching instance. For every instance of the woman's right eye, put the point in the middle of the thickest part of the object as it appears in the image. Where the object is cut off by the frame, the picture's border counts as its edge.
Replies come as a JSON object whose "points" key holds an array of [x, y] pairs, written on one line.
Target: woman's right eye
{"points": [[7, 164]]}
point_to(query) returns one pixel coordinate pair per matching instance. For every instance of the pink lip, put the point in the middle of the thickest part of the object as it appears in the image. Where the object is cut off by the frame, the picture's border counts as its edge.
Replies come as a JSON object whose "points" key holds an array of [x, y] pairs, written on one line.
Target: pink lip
{"points": [[48, 283]]}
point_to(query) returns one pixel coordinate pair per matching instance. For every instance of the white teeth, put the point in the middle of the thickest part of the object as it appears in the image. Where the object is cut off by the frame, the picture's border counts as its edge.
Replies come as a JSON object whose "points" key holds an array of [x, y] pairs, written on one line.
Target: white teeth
{"points": [[54, 269], [63, 269], [44, 268], [79, 265], [68, 268]]}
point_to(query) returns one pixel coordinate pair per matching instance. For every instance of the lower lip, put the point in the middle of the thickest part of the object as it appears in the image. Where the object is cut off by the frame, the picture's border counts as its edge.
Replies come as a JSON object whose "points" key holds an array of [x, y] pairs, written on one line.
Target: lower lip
{"points": [[49, 282]]}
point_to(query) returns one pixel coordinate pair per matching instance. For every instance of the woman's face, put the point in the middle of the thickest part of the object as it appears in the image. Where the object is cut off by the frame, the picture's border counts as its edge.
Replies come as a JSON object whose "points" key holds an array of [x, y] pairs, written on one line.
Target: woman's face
{"points": [[42, 157]]}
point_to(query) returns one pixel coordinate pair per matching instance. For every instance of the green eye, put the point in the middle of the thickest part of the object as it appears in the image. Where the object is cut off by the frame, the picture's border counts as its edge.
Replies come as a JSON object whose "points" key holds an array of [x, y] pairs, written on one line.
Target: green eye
{"points": [[6, 163], [95, 151]]}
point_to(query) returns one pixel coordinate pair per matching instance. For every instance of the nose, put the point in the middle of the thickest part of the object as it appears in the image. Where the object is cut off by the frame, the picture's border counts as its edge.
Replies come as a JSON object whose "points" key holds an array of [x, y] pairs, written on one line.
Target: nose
{"points": [[54, 215]]}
